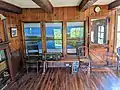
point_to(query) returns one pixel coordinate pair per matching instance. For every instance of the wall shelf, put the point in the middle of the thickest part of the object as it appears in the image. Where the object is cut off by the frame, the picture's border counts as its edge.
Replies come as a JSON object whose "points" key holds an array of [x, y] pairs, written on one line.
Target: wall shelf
{"points": [[4, 43]]}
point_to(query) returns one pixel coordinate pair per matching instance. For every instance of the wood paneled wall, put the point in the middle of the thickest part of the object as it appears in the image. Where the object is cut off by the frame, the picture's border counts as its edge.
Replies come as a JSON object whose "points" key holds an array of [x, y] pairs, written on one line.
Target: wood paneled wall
{"points": [[12, 20], [65, 14], [62, 14], [59, 14]]}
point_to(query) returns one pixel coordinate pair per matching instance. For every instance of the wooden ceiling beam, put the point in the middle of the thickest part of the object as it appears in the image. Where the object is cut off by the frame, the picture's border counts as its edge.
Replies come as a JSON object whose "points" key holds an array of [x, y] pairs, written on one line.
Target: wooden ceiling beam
{"points": [[10, 7], [114, 4], [85, 4], [45, 5]]}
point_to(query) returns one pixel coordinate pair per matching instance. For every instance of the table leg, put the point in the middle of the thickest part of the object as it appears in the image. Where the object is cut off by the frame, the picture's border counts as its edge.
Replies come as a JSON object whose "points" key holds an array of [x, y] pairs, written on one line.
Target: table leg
{"points": [[37, 67], [44, 65], [72, 67], [27, 68]]}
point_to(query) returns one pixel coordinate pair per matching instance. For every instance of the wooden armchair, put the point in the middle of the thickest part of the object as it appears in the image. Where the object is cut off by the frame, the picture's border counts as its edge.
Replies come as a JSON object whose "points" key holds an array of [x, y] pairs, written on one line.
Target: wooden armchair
{"points": [[32, 57], [84, 61], [103, 59], [97, 59]]}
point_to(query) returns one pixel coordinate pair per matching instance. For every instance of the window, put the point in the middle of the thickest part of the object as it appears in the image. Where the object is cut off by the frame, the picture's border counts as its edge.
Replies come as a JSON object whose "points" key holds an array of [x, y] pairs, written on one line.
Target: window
{"points": [[118, 32], [100, 34], [54, 37], [99, 31], [75, 36], [32, 33]]}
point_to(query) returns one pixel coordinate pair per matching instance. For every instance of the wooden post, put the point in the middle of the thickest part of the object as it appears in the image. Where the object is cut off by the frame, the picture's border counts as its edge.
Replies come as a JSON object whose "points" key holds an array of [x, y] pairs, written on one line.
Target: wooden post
{"points": [[111, 31], [64, 38], [86, 37], [43, 30]]}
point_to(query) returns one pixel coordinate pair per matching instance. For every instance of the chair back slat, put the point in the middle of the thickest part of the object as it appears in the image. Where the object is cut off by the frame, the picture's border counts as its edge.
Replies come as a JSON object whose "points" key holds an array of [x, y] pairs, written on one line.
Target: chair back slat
{"points": [[82, 50], [32, 47], [33, 50], [33, 53]]}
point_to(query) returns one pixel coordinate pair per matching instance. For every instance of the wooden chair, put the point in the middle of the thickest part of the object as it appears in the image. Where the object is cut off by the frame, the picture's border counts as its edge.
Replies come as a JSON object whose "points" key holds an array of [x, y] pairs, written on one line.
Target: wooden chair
{"points": [[32, 57], [103, 60], [84, 61]]}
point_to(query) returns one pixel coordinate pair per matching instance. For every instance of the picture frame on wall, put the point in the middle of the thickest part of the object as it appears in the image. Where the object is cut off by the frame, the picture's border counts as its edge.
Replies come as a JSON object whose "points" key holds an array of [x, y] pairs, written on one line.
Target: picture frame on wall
{"points": [[13, 31]]}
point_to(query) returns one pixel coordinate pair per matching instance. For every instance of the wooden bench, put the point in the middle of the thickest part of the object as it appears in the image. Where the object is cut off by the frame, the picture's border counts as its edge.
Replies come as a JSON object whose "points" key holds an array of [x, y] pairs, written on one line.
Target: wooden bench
{"points": [[68, 60]]}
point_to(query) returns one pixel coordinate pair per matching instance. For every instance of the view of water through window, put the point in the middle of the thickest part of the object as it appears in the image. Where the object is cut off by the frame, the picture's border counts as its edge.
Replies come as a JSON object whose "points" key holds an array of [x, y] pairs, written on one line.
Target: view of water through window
{"points": [[75, 36], [54, 37], [54, 40], [32, 33]]}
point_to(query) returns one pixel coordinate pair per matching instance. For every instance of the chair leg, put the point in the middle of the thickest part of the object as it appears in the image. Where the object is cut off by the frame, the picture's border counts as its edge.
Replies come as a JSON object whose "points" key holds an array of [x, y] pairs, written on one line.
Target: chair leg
{"points": [[37, 67], [27, 68], [44, 67], [72, 69], [117, 66], [89, 69]]}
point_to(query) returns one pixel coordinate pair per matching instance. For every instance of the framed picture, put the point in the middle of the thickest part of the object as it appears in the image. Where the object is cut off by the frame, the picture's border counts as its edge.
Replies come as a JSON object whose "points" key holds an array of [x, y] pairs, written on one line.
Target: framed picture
{"points": [[13, 31]]}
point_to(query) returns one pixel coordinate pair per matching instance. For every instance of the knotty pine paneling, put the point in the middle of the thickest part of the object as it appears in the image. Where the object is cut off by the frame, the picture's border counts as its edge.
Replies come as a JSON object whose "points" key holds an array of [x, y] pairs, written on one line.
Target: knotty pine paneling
{"points": [[62, 14], [12, 20], [104, 11], [59, 14]]}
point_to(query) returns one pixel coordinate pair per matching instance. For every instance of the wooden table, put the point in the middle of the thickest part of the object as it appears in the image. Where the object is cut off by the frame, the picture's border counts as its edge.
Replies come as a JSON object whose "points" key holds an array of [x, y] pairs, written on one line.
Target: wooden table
{"points": [[68, 59]]}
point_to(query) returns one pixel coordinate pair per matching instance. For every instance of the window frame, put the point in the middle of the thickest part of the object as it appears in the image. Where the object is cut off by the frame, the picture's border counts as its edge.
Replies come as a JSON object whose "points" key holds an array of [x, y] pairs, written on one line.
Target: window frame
{"points": [[53, 38], [99, 33], [32, 40], [104, 23], [74, 38]]}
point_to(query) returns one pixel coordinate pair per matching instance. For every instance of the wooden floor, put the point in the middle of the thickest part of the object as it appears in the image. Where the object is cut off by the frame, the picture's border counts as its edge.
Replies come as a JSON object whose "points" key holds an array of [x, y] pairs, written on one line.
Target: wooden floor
{"points": [[62, 79]]}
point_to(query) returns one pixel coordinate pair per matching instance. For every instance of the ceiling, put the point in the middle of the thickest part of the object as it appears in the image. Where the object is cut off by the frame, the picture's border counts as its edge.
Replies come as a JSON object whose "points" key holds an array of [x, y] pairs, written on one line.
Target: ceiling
{"points": [[55, 3], [103, 2], [23, 3]]}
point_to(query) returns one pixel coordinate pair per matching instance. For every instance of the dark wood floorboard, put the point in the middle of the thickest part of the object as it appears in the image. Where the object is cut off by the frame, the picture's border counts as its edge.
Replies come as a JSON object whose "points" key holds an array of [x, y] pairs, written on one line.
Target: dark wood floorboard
{"points": [[62, 79]]}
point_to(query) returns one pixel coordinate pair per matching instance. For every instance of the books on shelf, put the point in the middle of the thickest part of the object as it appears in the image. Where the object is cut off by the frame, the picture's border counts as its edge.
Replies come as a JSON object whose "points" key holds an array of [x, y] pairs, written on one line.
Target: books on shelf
{"points": [[3, 66], [2, 55]]}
